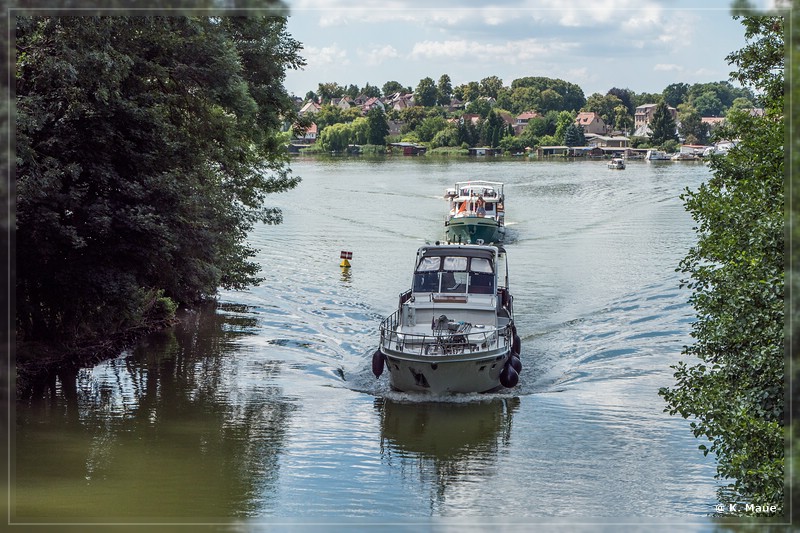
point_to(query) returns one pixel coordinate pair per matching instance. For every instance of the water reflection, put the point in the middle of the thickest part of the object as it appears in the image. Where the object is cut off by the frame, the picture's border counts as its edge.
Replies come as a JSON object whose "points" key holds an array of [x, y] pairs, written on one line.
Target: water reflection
{"points": [[444, 444], [176, 423]]}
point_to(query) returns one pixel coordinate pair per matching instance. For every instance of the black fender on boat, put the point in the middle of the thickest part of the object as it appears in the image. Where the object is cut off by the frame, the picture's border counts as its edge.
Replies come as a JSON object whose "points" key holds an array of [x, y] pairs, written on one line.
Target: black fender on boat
{"points": [[378, 360], [509, 377], [514, 361], [516, 345]]}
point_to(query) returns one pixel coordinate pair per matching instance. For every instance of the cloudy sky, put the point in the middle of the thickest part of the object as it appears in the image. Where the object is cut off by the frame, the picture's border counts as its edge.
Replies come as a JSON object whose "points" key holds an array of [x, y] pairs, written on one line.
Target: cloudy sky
{"points": [[642, 45]]}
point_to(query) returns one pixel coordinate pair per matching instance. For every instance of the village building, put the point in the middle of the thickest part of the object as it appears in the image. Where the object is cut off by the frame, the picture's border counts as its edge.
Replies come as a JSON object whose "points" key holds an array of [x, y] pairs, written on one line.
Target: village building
{"points": [[310, 107], [591, 122], [644, 114]]}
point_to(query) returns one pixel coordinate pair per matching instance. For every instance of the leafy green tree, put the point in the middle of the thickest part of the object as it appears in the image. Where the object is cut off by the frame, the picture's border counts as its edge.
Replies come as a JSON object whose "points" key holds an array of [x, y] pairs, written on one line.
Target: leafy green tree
{"points": [[544, 125], [550, 100], [563, 121], [429, 127], [626, 96], [335, 137], [146, 148], [622, 119], [392, 87], [468, 92], [444, 90], [741, 103], [708, 105], [329, 115], [328, 91], [480, 106], [468, 133], [735, 394], [492, 129], [692, 127], [605, 106], [352, 91], [572, 97], [662, 125], [446, 137], [491, 86], [371, 91], [425, 95], [675, 94], [413, 116], [574, 136], [378, 126]]}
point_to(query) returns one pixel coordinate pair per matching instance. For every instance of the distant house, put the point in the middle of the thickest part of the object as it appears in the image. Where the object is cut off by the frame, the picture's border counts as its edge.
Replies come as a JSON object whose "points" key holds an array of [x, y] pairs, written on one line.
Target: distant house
{"points": [[484, 151], [644, 113], [310, 135], [524, 117], [372, 103], [522, 120], [591, 122], [342, 103], [545, 151], [471, 118], [508, 118], [713, 122], [455, 105], [606, 141], [400, 101], [310, 107]]}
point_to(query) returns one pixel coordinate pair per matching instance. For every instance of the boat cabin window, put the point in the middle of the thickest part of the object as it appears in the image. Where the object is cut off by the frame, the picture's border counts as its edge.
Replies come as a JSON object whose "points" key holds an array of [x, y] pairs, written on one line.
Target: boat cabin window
{"points": [[481, 276], [455, 274], [429, 264], [455, 263]]}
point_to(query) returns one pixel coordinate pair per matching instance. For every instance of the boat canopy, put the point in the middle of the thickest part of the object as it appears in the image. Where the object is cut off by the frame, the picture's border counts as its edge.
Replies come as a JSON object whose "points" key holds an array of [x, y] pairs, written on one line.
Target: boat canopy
{"points": [[455, 269]]}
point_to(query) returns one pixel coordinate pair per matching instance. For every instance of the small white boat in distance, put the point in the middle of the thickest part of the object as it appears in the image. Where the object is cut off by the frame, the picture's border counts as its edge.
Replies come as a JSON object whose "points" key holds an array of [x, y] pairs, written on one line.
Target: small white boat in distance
{"points": [[617, 163], [454, 329]]}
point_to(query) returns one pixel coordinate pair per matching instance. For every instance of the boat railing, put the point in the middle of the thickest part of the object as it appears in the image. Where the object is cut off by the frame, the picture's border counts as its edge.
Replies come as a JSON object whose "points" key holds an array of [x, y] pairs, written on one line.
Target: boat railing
{"points": [[443, 341]]}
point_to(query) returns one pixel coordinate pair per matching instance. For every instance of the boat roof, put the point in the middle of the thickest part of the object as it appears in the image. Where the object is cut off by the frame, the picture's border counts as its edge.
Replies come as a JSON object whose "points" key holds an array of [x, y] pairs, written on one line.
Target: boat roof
{"points": [[478, 183], [466, 250]]}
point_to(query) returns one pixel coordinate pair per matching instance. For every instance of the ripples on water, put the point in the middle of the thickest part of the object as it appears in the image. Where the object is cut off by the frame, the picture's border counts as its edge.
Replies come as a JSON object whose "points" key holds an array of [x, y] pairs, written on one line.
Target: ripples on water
{"points": [[274, 389]]}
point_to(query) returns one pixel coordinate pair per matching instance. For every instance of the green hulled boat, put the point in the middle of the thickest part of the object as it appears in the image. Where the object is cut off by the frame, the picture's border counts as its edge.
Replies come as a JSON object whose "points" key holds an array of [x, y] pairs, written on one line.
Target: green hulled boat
{"points": [[477, 212]]}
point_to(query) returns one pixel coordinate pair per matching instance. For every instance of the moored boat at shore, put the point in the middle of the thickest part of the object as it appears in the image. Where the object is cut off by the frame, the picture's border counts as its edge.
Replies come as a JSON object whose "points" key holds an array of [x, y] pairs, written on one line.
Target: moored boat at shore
{"points": [[477, 212], [453, 331], [657, 155]]}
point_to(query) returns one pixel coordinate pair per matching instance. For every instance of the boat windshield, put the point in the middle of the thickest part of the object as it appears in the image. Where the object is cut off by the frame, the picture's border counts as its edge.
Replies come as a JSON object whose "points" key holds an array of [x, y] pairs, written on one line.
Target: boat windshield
{"points": [[455, 274]]}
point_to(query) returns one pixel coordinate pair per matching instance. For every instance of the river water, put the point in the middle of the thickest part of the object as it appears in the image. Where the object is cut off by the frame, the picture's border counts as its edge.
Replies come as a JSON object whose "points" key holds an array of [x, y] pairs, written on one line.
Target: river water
{"points": [[264, 410]]}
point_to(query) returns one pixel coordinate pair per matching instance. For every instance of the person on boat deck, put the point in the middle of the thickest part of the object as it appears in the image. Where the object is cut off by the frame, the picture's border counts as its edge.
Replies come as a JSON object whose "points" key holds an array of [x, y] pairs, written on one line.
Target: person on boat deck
{"points": [[463, 208], [480, 206]]}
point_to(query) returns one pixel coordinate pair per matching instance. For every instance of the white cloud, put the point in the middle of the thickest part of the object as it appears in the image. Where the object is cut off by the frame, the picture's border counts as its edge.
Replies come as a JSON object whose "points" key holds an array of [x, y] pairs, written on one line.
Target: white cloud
{"points": [[506, 52], [377, 56], [667, 67], [324, 56]]}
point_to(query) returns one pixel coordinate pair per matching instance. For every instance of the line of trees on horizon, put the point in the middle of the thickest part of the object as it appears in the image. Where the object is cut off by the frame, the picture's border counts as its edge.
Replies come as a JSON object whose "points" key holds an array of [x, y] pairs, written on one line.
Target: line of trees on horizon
{"points": [[555, 102]]}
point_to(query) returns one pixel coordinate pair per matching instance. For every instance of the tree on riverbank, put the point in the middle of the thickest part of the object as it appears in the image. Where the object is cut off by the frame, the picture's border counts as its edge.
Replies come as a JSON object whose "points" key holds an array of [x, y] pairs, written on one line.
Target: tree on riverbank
{"points": [[735, 394], [146, 147]]}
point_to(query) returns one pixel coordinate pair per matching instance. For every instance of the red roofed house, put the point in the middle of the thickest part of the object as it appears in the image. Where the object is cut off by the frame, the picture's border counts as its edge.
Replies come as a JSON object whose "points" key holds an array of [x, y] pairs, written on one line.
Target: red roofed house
{"points": [[590, 122]]}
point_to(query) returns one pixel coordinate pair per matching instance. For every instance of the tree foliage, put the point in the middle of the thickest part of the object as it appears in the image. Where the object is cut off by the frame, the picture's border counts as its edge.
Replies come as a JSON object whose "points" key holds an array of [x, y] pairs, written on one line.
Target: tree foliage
{"points": [[425, 95], [662, 125], [735, 394], [574, 136], [377, 126], [146, 147]]}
